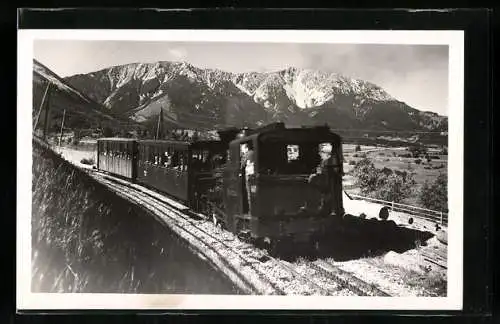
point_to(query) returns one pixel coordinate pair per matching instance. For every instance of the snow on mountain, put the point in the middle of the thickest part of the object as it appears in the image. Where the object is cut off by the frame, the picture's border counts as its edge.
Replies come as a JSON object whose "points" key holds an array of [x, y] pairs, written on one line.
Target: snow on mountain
{"points": [[212, 97]]}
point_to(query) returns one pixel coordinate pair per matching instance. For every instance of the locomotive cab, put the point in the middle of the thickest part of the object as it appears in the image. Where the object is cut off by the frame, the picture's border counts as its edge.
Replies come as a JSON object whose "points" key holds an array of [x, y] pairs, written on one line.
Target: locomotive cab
{"points": [[283, 182]]}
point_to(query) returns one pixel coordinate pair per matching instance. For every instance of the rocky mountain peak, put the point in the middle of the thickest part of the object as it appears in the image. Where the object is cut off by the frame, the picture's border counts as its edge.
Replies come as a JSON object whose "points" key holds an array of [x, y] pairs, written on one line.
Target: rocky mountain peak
{"points": [[211, 96]]}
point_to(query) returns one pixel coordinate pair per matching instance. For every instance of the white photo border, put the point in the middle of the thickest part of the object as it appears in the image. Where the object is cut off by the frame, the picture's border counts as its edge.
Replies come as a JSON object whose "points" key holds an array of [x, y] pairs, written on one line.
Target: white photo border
{"points": [[27, 300]]}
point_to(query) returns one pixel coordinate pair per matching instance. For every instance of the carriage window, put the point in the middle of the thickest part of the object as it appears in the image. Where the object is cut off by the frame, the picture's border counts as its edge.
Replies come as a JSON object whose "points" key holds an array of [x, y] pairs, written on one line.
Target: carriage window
{"points": [[157, 156], [201, 160], [151, 155], [167, 159], [179, 160]]}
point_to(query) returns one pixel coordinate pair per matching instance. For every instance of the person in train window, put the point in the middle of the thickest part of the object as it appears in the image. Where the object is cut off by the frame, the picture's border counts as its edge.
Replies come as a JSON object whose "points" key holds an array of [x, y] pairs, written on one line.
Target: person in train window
{"points": [[205, 162], [248, 168], [166, 160]]}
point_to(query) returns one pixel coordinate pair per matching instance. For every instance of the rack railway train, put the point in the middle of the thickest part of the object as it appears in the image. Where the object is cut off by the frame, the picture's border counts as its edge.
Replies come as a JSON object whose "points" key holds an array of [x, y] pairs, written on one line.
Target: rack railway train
{"points": [[267, 184]]}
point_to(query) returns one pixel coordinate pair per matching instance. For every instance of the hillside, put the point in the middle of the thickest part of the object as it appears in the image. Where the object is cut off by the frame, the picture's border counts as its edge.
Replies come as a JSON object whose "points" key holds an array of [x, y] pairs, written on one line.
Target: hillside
{"points": [[81, 111], [208, 98]]}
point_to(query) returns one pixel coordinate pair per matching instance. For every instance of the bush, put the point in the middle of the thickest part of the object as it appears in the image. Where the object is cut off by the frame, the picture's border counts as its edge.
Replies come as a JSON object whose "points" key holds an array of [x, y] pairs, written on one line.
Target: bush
{"points": [[381, 154], [435, 195], [355, 155], [418, 161], [357, 148], [383, 183], [417, 151], [352, 162]]}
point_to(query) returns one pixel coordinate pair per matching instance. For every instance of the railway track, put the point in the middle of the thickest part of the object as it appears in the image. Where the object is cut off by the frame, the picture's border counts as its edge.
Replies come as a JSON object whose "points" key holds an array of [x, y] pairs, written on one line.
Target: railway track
{"points": [[276, 277], [347, 280]]}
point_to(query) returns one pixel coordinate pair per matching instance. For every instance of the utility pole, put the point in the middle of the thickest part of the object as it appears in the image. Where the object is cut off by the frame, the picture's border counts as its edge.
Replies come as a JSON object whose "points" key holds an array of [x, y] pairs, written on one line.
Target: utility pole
{"points": [[62, 127], [46, 119], [160, 122], [37, 120]]}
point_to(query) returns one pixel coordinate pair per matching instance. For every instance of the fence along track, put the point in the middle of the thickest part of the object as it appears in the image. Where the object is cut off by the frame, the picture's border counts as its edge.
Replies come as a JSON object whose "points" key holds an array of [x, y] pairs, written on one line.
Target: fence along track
{"points": [[423, 213], [279, 288]]}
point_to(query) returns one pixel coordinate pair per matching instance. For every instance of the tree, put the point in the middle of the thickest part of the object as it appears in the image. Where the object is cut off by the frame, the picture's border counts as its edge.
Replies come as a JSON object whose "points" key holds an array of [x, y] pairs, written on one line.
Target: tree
{"points": [[417, 151], [434, 195], [395, 187], [366, 175], [383, 183]]}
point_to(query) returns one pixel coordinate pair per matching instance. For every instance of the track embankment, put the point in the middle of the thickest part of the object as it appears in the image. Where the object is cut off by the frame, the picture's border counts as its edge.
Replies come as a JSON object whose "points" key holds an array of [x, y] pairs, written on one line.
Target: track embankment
{"points": [[88, 239]]}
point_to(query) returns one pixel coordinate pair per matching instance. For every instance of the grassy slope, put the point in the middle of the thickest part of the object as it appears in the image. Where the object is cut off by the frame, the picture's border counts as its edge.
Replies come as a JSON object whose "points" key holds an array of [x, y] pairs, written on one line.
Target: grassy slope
{"points": [[87, 239]]}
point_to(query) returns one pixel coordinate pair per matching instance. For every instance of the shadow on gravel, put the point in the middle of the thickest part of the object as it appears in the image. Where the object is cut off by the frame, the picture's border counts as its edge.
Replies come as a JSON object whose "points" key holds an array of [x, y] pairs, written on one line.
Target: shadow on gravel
{"points": [[354, 238]]}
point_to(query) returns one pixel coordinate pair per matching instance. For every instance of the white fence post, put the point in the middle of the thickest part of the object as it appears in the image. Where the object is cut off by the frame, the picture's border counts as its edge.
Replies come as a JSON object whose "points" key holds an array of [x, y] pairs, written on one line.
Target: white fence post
{"points": [[442, 219]]}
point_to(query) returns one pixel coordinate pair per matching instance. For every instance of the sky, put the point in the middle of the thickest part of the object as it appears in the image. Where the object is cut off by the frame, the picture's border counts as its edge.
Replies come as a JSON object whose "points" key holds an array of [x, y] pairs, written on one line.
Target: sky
{"points": [[414, 74]]}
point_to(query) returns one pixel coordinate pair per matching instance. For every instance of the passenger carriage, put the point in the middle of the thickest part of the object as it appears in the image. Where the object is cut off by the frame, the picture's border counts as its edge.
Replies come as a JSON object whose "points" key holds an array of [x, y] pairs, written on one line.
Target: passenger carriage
{"points": [[181, 169], [117, 156]]}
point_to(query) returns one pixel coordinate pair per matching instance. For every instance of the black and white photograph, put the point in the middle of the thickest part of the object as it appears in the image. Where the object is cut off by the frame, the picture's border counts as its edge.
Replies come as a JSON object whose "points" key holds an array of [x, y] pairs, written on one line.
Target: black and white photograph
{"points": [[270, 169]]}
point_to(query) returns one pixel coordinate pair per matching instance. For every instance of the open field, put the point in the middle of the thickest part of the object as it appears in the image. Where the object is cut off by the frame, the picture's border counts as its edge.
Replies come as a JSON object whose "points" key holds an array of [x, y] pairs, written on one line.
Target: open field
{"points": [[391, 158]]}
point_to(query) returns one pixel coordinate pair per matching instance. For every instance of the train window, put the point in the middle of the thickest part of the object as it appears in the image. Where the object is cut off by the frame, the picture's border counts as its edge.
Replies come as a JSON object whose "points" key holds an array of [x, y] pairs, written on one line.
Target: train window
{"points": [[167, 159], [288, 158], [155, 155], [292, 152], [151, 154], [218, 160], [326, 151]]}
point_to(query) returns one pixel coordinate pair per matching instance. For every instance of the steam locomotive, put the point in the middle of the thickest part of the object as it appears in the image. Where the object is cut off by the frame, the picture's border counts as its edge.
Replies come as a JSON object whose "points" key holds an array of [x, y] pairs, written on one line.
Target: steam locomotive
{"points": [[265, 184]]}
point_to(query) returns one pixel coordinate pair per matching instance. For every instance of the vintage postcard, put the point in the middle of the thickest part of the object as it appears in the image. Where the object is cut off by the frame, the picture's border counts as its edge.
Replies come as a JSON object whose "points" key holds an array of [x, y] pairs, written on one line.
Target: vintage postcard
{"points": [[240, 169]]}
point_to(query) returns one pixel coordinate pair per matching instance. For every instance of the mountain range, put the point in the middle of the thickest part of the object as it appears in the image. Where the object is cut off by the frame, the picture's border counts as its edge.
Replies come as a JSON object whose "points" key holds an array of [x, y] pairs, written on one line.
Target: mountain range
{"points": [[210, 98]]}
